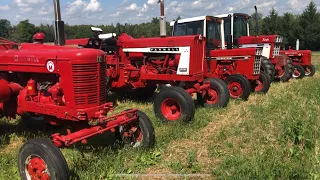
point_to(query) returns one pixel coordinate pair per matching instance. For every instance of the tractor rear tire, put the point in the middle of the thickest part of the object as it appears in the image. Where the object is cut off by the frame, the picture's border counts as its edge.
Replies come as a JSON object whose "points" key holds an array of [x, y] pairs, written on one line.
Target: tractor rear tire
{"points": [[239, 86], [298, 72], [144, 138], [40, 159], [268, 68], [262, 85], [217, 96], [288, 71], [174, 104], [310, 70]]}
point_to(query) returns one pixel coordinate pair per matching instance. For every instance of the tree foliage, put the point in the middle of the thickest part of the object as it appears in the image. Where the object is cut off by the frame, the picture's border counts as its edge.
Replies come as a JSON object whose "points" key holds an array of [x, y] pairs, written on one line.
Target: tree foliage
{"points": [[305, 27]]}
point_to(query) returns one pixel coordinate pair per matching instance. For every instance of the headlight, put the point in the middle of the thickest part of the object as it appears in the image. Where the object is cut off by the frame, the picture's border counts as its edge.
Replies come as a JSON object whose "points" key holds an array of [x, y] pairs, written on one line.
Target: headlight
{"points": [[96, 43], [90, 42]]}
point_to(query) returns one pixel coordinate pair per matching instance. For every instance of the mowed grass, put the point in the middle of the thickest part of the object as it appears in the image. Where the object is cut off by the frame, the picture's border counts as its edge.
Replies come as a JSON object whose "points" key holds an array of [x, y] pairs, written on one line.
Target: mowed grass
{"points": [[272, 136]]}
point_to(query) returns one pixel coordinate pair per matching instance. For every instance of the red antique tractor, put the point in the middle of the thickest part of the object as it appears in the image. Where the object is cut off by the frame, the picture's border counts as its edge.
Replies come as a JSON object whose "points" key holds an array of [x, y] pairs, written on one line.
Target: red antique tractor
{"points": [[240, 68], [138, 65], [63, 85], [301, 60], [276, 65]]}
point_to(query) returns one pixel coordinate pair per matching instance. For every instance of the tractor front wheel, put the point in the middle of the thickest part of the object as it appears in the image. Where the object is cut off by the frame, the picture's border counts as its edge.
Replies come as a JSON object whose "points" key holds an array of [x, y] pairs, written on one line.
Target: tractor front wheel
{"points": [[310, 70], [298, 71], [262, 84], [239, 86], [137, 134], [174, 104], [40, 159], [285, 72], [217, 96]]}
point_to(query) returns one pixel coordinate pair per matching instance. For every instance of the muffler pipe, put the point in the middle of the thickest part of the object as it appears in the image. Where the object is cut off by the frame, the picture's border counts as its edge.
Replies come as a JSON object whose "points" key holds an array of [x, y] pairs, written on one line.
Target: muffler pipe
{"points": [[162, 20], [257, 21], [298, 45], [58, 25]]}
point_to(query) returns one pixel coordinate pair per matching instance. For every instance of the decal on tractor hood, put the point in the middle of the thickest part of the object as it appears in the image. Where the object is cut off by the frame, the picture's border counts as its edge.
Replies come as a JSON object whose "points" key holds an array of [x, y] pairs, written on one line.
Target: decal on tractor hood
{"points": [[265, 51], [50, 66], [184, 62], [229, 58]]}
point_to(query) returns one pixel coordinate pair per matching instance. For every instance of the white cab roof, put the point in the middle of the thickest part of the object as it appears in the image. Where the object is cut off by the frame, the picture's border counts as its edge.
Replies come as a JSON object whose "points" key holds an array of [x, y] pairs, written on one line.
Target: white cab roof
{"points": [[199, 18]]}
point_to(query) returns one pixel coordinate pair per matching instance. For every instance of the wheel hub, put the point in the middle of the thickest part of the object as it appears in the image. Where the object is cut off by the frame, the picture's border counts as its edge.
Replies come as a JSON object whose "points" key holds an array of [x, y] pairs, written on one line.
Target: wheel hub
{"points": [[308, 71], [259, 83], [235, 89], [212, 96], [36, 168], [296, 73], [171, 109]]}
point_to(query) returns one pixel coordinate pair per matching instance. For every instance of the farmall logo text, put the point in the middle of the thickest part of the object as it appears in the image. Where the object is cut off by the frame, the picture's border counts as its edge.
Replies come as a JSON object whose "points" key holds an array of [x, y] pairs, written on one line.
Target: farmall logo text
{"points": [[265, 39], [26, 59]]}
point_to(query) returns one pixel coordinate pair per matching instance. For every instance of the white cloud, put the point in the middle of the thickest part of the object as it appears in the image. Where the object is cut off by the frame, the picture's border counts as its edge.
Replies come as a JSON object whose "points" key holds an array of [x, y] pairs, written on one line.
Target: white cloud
{"points": [[132, 7], [93, 6], [4, 8], [152, 2], [76, 7]]}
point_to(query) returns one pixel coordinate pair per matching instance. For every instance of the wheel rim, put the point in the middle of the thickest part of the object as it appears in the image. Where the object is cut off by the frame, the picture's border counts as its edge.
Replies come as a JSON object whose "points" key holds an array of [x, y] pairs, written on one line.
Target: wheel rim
{"points": [[308, 70], [296, 73], [259, 85], [132, 135], [211, 97], [235, 89], [171, 109], [36, 168]]}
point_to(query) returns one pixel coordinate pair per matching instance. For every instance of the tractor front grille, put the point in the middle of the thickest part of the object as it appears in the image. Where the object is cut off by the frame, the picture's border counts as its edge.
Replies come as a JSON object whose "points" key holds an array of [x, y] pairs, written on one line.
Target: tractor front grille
{"points": [[89, 83], [276, 50], [257, 61]]}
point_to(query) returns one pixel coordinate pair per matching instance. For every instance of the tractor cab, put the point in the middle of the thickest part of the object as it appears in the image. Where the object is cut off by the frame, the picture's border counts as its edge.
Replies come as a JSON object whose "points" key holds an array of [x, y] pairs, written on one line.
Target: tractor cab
{"points": [[207, 26]]}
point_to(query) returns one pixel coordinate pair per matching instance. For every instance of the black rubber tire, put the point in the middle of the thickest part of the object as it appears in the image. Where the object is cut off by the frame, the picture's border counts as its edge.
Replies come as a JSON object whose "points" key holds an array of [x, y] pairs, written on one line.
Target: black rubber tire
{"points": [[288, 71], [263, 77], [52, 156], [301, 71], [312, 70], [179, 95], [222, 90], [244, 83], [268, 68], [148, 135]]}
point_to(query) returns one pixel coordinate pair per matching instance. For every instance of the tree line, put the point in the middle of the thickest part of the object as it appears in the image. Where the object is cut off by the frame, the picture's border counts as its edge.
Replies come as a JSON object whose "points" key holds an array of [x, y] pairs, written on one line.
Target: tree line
{"points": [[305, 27]]}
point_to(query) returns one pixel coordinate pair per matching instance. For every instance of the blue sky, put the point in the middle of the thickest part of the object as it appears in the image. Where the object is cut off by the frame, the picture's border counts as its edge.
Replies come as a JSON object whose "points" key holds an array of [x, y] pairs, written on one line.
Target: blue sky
{"points": [[136, 11]]}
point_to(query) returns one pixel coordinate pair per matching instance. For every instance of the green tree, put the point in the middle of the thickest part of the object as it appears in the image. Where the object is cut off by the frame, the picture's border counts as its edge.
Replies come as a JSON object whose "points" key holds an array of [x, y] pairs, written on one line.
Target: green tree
{"points": [[23, 32], [252, 23], [310, 27], [5, 27], [291, 28], [272, 23]]}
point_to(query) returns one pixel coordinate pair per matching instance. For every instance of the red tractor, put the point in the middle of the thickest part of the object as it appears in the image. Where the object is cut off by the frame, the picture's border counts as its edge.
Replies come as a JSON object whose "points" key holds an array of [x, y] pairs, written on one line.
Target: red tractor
{"points": [[63, 85], [301, 60], [240, 68], [276, 65], [138, 65]]}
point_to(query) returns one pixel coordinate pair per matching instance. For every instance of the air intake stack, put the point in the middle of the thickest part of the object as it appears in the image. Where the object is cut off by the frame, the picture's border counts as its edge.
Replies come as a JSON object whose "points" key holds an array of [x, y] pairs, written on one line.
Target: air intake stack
{"points": [[58, 25], [163, 26]]}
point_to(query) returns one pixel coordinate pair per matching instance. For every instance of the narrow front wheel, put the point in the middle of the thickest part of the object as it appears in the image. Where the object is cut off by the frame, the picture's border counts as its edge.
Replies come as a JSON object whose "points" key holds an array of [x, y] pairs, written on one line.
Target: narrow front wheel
{"points": [[40, 159]]}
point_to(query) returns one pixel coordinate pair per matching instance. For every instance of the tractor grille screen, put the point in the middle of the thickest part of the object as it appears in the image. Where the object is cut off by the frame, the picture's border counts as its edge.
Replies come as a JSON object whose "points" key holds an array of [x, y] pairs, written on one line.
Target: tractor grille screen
{"points": [[89, 83], [257, 64], [276, 50]]}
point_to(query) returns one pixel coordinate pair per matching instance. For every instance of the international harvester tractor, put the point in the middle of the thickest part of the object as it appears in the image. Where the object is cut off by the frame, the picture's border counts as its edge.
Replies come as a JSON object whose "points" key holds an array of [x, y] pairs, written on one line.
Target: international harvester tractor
{"points": [[301, 60], [64, 85], [138, 65], [277, 66], [235, 66]]}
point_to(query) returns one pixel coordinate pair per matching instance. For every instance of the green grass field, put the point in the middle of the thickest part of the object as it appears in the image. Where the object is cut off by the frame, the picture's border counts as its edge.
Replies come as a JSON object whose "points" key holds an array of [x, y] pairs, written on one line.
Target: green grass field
{"points": [[272, 136]]}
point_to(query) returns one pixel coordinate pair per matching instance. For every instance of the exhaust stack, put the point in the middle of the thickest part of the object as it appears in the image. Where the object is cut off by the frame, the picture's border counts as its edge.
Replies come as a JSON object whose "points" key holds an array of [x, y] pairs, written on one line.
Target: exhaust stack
{"points": [[257, 21], [163, 26], [297, 45], [58, 25]]}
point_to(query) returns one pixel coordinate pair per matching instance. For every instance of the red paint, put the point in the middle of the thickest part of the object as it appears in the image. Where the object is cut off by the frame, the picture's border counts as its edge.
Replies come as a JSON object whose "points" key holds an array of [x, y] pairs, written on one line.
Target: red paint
{"points": [[235, 89], [298, 57], [259, 86], [171, 109], [37, 169]]}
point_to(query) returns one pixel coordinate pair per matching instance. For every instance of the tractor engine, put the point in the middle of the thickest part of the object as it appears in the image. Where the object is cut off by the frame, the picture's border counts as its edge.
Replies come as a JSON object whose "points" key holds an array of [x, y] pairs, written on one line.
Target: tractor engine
{"points": [[137, 61], [65, 83]]}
